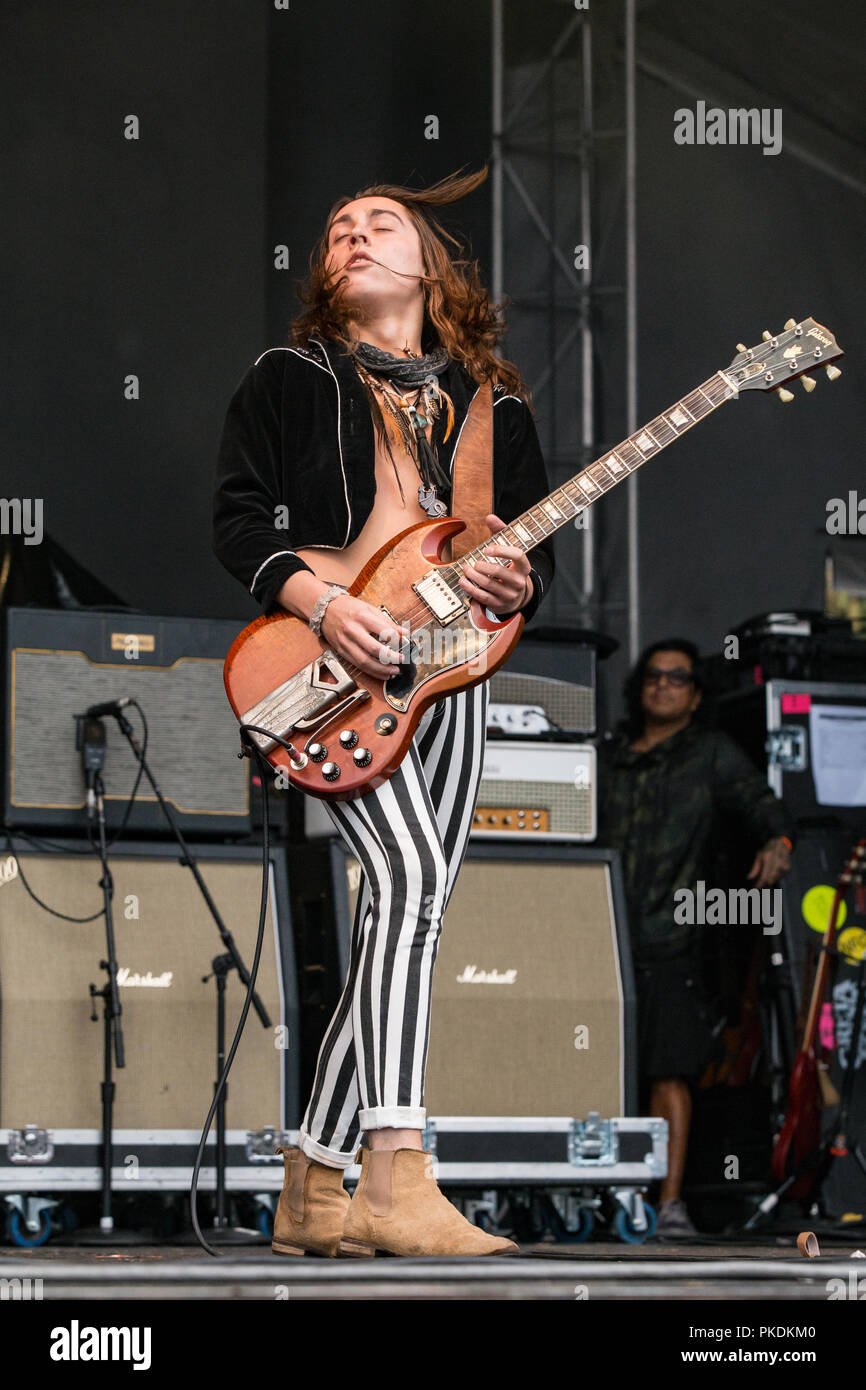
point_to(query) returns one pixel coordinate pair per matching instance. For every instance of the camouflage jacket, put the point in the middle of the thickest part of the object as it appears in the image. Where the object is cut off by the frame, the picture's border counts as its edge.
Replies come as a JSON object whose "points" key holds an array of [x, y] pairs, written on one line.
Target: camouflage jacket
{"points": [[662, 810]]}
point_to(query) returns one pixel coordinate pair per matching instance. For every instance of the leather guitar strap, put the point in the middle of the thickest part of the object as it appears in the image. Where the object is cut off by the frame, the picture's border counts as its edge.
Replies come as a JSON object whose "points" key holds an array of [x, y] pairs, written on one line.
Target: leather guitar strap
{"points": [[472, 473]]}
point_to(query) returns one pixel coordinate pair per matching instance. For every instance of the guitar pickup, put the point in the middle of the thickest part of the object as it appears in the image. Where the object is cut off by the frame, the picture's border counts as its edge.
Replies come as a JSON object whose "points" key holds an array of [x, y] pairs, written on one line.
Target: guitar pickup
{"points": [[444, 603]]}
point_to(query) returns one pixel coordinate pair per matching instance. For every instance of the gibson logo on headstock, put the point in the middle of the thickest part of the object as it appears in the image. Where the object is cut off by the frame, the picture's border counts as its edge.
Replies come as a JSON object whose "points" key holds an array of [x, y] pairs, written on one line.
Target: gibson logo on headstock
{"points": [[822, 337]]}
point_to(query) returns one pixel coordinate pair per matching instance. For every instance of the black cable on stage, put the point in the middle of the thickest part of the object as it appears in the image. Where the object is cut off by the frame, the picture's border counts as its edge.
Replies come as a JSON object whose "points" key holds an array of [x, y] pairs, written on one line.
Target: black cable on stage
{"points": [[131, 802], [266, 769]]}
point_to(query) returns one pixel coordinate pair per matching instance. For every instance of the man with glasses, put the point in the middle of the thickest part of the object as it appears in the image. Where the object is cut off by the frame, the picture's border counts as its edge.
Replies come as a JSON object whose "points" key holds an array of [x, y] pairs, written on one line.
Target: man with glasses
{"points": [[663, 781]]}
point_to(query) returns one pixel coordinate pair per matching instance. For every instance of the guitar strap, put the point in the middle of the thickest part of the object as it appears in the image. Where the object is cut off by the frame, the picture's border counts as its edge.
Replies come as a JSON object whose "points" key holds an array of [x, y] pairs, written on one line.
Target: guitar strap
{"points": [[472, 473]]}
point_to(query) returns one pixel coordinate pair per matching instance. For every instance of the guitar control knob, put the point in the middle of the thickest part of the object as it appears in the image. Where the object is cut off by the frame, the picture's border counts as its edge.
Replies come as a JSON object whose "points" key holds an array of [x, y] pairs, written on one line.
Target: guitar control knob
{"points": [[348, 738], [330, 772], [317, 752], [362, 756]]}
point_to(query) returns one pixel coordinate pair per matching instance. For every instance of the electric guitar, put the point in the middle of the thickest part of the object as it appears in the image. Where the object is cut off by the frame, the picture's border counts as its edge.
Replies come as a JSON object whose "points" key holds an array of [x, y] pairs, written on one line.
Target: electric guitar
{"points": [[335, 732], [796, 1150]]}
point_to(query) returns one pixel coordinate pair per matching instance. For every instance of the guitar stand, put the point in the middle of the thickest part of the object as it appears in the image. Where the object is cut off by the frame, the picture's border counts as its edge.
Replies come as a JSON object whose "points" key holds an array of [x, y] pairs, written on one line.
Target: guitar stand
{"points": [[838, 1144]]}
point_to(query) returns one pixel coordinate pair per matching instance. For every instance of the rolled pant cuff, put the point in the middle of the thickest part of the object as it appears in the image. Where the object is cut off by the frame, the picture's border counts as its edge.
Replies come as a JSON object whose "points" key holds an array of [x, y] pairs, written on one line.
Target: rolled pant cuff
{"points": [[333, 1158], [393, 1117]]}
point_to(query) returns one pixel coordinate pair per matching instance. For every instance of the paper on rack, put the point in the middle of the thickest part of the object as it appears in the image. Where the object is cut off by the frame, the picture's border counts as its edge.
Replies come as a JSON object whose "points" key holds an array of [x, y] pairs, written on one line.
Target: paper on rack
{"points": [[837, 734]]}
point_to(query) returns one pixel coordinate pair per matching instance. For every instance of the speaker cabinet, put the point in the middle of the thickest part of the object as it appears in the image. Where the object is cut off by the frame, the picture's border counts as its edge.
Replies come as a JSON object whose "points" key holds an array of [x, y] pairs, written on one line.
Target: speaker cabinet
{"points": [[533, 994], [51, 1053], [58, 663]]}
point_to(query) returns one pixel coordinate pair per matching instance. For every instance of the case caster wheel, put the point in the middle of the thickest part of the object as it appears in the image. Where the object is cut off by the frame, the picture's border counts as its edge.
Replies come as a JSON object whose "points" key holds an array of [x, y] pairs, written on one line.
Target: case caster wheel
{"points": [[585, 1227], [266, 1206], [625, 1229], [21, 1235]]}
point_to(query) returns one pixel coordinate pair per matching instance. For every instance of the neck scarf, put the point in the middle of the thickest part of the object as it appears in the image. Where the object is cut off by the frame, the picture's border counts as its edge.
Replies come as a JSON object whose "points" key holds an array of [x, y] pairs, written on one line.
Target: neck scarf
{"points": [[391, 378]]}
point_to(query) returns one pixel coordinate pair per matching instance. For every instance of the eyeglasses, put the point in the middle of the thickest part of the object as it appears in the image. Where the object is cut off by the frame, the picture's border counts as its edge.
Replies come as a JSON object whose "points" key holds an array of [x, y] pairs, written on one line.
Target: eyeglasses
{"points": [[680, 676]]}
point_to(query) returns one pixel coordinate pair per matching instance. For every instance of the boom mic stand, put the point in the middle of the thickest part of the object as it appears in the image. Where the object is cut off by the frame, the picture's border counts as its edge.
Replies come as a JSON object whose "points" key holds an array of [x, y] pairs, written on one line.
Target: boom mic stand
{"points": [[220, 1232], [90, 740]]}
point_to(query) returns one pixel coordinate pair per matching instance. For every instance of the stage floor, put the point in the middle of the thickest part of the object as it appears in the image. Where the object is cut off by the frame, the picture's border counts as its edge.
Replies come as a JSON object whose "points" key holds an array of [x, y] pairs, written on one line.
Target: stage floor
{"points": [[767, 1268]]}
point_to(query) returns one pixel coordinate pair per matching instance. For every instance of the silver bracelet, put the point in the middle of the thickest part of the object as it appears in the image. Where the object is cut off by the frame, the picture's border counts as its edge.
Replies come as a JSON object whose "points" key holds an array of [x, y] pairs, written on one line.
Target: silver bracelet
{"points": [[318, 614]]}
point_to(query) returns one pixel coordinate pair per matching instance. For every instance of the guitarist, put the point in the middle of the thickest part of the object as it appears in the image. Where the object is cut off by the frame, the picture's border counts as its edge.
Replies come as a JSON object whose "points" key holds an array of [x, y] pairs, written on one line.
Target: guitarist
{"points": [[331, 447]]}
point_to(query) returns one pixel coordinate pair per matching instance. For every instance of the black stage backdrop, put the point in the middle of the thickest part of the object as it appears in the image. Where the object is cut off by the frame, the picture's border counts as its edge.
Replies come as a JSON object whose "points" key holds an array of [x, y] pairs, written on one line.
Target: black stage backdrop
{"points": [[155, 257]]}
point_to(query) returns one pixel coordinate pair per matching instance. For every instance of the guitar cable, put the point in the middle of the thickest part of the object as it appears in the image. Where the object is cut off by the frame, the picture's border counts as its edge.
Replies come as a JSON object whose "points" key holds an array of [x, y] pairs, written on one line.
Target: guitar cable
{"points": [[266, 771]]}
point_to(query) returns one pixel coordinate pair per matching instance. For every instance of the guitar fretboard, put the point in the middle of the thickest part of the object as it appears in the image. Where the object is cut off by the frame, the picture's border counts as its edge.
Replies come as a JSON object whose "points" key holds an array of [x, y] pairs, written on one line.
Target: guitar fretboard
{"points": [[573, 497]]}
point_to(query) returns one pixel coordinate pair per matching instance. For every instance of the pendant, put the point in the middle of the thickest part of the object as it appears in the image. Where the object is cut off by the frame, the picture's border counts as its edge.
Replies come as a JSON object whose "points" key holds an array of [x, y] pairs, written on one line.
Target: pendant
{"points": [[430, 502]]}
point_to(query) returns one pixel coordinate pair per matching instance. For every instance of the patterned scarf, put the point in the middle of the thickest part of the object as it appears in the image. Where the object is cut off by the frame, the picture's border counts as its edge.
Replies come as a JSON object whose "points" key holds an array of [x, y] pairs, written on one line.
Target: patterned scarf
{"points": [[391, 379]]}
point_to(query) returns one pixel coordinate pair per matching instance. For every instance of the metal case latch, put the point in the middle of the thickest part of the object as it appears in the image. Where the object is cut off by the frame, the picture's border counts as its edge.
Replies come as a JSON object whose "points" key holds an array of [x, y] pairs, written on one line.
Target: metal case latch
{"points": [[261, 1143], [30, 1145], [590, 1140], [786, 748]]}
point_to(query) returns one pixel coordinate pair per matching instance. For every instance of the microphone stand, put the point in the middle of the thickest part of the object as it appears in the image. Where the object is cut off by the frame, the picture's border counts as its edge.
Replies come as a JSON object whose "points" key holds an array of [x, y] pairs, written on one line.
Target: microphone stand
{"points": [[220, 1232], [112, 1032]]}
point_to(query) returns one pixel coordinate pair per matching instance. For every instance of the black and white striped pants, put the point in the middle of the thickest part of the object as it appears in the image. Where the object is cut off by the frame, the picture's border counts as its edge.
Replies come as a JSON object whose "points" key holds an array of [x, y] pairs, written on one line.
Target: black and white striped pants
{"points": [[410, 837]]}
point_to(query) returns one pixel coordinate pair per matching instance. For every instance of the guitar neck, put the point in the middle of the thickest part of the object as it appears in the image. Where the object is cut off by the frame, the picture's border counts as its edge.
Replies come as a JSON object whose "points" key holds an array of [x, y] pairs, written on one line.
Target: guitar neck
{"points": [[566, 502]]}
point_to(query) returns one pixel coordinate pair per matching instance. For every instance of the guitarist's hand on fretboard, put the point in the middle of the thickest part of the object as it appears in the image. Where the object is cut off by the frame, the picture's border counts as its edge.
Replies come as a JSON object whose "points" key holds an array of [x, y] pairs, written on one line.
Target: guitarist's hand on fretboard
{"points": [[501, 588]]}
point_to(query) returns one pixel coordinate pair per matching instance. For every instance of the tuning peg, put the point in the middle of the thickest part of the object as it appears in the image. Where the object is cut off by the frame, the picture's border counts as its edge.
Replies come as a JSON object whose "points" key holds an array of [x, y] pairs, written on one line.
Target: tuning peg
{"points": [[766, 334], [791, 323], [833, 372], [784, 394], [809, 383], [741, 347]]}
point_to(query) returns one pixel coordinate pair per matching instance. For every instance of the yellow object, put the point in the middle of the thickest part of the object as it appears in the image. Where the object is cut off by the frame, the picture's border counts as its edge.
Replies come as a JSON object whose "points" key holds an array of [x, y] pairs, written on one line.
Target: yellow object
{"points": [[817, 905], [852, 943]]}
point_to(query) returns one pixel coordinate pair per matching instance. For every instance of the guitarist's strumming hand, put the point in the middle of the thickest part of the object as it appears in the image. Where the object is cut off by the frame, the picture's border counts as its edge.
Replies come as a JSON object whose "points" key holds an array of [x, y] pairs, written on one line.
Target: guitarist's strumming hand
{"points": [[771, 863], [497, 587], [362, 634]]}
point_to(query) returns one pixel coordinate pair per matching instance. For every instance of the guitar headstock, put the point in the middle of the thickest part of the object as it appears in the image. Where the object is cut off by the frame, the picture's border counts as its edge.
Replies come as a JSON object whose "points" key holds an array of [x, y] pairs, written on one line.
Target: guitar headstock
{"points": [[795, 352], [855, 866]]}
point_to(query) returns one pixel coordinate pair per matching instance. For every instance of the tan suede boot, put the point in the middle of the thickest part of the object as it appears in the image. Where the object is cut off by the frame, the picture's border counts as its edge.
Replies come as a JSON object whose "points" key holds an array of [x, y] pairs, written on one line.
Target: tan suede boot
{"points": [[398, 1207], [312, 1206]]}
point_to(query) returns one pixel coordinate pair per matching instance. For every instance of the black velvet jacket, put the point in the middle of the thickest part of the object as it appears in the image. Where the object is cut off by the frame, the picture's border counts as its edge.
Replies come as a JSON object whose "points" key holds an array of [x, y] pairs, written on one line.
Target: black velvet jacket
{"points": [[296, 465]]}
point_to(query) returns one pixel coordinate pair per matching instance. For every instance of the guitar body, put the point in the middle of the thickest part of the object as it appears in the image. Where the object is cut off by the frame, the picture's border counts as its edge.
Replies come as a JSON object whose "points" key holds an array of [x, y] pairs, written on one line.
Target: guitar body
{"points": [[281, 678], [800, 1135]]}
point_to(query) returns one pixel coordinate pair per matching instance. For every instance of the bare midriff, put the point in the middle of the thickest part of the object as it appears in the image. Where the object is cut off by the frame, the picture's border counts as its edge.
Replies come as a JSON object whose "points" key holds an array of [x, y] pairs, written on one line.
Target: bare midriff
{"points": [[390, 515]]}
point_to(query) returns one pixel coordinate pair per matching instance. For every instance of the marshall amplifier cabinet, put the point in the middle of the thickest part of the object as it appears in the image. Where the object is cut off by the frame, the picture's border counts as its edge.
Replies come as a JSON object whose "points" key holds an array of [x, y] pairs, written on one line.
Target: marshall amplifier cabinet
{"points": [[51, 1050], [56, 664], [533, 994]]}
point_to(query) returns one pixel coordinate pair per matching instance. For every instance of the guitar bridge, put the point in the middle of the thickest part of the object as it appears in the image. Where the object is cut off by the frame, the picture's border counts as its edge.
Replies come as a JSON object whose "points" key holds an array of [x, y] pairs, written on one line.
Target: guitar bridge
{"points": [[299, 701]]}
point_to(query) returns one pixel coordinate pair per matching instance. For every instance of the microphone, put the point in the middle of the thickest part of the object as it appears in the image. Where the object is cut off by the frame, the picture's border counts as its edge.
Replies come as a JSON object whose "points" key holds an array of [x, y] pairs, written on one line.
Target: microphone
{"points": [[108, 707], [91, 742]]}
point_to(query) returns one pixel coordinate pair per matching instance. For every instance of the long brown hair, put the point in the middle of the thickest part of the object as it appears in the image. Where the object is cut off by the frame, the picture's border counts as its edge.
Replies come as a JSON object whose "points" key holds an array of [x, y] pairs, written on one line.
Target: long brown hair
{"points": [[456, 304]]}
